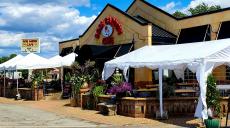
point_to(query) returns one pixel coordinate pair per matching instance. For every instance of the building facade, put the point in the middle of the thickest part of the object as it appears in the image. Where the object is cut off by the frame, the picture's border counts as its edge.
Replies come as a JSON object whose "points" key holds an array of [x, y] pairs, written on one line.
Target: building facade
{"points": [[114, 33]]}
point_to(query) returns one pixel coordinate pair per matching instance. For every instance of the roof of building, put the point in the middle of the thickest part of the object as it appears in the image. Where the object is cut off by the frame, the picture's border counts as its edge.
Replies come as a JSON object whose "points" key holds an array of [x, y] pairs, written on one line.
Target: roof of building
{"points": [[65, 41], [168, 14], [124, 13]]}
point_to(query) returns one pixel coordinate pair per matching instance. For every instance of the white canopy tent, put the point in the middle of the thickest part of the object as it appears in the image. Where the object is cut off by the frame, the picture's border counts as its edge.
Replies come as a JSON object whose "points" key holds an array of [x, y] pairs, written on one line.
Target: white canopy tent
{"points": [[11, 64], [201, 58], [69, 59], [58, 61], [33, 61]]}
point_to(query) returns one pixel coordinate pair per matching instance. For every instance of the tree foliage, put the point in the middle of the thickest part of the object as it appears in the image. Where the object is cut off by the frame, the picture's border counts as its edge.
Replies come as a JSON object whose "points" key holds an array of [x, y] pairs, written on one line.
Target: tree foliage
{"points": [[201, 8], [179, 14], [6, 58]]}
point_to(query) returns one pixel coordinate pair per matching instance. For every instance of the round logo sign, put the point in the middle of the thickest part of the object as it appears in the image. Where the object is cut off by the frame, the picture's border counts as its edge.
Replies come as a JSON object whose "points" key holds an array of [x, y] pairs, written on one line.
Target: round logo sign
{"points": [[107, 30]]}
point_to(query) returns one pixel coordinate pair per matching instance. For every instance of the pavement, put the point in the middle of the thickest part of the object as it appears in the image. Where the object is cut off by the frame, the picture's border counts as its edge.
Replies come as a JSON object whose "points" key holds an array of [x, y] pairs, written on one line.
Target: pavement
{"points": [[19, 116], [58, 113]]}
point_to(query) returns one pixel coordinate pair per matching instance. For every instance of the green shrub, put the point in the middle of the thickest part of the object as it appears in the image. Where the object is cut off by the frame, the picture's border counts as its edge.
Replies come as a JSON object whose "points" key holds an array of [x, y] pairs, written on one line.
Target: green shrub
{"points": [[213, 95]]}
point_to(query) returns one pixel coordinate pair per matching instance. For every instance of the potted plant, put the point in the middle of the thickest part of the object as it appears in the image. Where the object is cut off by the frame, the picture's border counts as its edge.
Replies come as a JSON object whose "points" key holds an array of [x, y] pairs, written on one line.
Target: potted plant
{"points": [[86, 73], [37, 80], [121, 90], [83, 76], [213, 103], [98, 89]]}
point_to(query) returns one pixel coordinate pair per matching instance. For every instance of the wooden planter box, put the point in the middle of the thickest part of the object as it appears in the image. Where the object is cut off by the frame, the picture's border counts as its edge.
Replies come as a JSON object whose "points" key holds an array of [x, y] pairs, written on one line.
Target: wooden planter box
{"points": [[147, 107], [31, 94]]}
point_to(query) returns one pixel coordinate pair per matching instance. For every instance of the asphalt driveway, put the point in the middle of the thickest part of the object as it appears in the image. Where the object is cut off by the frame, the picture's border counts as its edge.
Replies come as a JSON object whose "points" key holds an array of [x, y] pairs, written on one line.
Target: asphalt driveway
{"points": [[19, 116]]}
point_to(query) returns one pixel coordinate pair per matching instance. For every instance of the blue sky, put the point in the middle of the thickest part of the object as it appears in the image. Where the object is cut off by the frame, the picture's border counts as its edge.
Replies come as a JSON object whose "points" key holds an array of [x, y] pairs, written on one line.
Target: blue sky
{"points": [[56, 20]]}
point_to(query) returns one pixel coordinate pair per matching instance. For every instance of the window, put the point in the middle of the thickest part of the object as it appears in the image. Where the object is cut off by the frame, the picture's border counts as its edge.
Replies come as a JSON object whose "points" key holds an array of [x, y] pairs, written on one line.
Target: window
{"points": [[227, 73], [194, 34], [189, 76], [224, 30]]}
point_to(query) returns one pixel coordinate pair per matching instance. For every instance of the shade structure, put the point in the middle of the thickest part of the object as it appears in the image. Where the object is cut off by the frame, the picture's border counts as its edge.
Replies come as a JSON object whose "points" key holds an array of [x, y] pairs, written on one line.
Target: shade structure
{"points": [[11, 64], [56, 61], [32, 61], [69, 59], [199, 57]]}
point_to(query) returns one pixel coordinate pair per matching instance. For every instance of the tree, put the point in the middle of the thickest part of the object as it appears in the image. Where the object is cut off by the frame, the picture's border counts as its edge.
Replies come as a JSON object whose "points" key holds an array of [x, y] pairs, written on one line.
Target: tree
{"points": [[179, 14], [201, 8], [6, 58]]}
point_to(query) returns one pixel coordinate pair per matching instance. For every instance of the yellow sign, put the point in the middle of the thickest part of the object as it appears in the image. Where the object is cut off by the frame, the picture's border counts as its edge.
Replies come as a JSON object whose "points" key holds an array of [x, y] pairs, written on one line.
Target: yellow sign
{"points": [[30, 46]]}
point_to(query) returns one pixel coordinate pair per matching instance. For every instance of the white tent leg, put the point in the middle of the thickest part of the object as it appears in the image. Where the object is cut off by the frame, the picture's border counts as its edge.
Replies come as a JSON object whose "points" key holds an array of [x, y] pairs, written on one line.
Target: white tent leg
{"points": [[160, 90], [62, 71], [17, 81], [4, 93]]}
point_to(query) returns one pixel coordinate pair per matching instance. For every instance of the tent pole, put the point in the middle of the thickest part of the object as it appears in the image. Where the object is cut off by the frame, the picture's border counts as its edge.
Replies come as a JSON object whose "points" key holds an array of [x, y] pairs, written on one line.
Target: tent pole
{"points": [[17, 81], [160, 90], [62, 88], [4, 83]]}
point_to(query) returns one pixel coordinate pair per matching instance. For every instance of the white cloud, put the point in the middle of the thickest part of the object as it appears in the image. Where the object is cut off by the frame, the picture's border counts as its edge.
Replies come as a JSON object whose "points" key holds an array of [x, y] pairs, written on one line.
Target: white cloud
{"points": [[222, 3], [51, 23], [194, 3], [171, 7], [52, 2]]}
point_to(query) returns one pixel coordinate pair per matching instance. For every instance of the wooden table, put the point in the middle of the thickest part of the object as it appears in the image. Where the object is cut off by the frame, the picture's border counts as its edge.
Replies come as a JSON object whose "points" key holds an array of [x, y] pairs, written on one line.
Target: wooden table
{"points": [[147, 90], [185, 91], [187, 84]]}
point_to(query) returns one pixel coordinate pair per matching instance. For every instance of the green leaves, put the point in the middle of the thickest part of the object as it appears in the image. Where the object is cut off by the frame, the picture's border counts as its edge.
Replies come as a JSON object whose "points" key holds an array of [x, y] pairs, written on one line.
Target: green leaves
{"points": [[202, 8], [213, 94], [37, 78], [179, 14], [5, 58]]}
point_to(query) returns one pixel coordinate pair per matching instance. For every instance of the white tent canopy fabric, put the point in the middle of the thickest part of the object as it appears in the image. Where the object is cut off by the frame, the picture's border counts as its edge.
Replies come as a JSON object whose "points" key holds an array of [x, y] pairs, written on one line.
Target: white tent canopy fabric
{"points": [[56, 61], [200, 57], [32, 61], [11, 64], [69, 59]]}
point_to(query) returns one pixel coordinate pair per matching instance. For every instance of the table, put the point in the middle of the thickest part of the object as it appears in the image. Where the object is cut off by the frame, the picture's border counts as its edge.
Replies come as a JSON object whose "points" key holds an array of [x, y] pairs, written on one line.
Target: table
{"points": [[147, 90], [187, 84], [223, 89], [193, 86], [186, 91]]}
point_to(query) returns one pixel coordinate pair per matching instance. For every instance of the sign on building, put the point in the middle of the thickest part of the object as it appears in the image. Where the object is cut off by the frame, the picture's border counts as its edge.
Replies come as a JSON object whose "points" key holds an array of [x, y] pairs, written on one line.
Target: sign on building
{"points": [[30, 45]]}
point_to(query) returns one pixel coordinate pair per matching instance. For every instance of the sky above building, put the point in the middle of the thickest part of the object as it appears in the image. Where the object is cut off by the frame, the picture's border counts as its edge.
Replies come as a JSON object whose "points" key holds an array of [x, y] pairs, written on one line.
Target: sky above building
{"points": [[53, 21]]}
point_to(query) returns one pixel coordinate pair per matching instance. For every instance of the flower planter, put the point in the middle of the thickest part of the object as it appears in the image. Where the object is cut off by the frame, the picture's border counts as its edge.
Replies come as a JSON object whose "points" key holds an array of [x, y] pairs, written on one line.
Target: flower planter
{"points": [[73, 102], [212, 123]]}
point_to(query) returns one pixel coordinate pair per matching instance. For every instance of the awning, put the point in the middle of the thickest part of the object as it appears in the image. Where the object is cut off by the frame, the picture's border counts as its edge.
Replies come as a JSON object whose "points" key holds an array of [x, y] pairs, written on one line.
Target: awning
{"points": [[77, 49], [194, 34], [161, 36], [66, 51], [124, 49], [98, 52], [224, 30]]}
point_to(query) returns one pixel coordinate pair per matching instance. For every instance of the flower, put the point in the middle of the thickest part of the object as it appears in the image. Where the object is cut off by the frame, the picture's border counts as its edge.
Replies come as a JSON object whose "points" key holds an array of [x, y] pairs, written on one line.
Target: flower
{"points": [[123, 87]]}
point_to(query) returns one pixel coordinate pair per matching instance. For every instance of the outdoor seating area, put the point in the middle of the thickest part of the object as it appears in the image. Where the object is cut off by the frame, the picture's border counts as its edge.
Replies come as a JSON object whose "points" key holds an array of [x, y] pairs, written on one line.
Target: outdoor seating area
{"points": [[37, 79]]}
